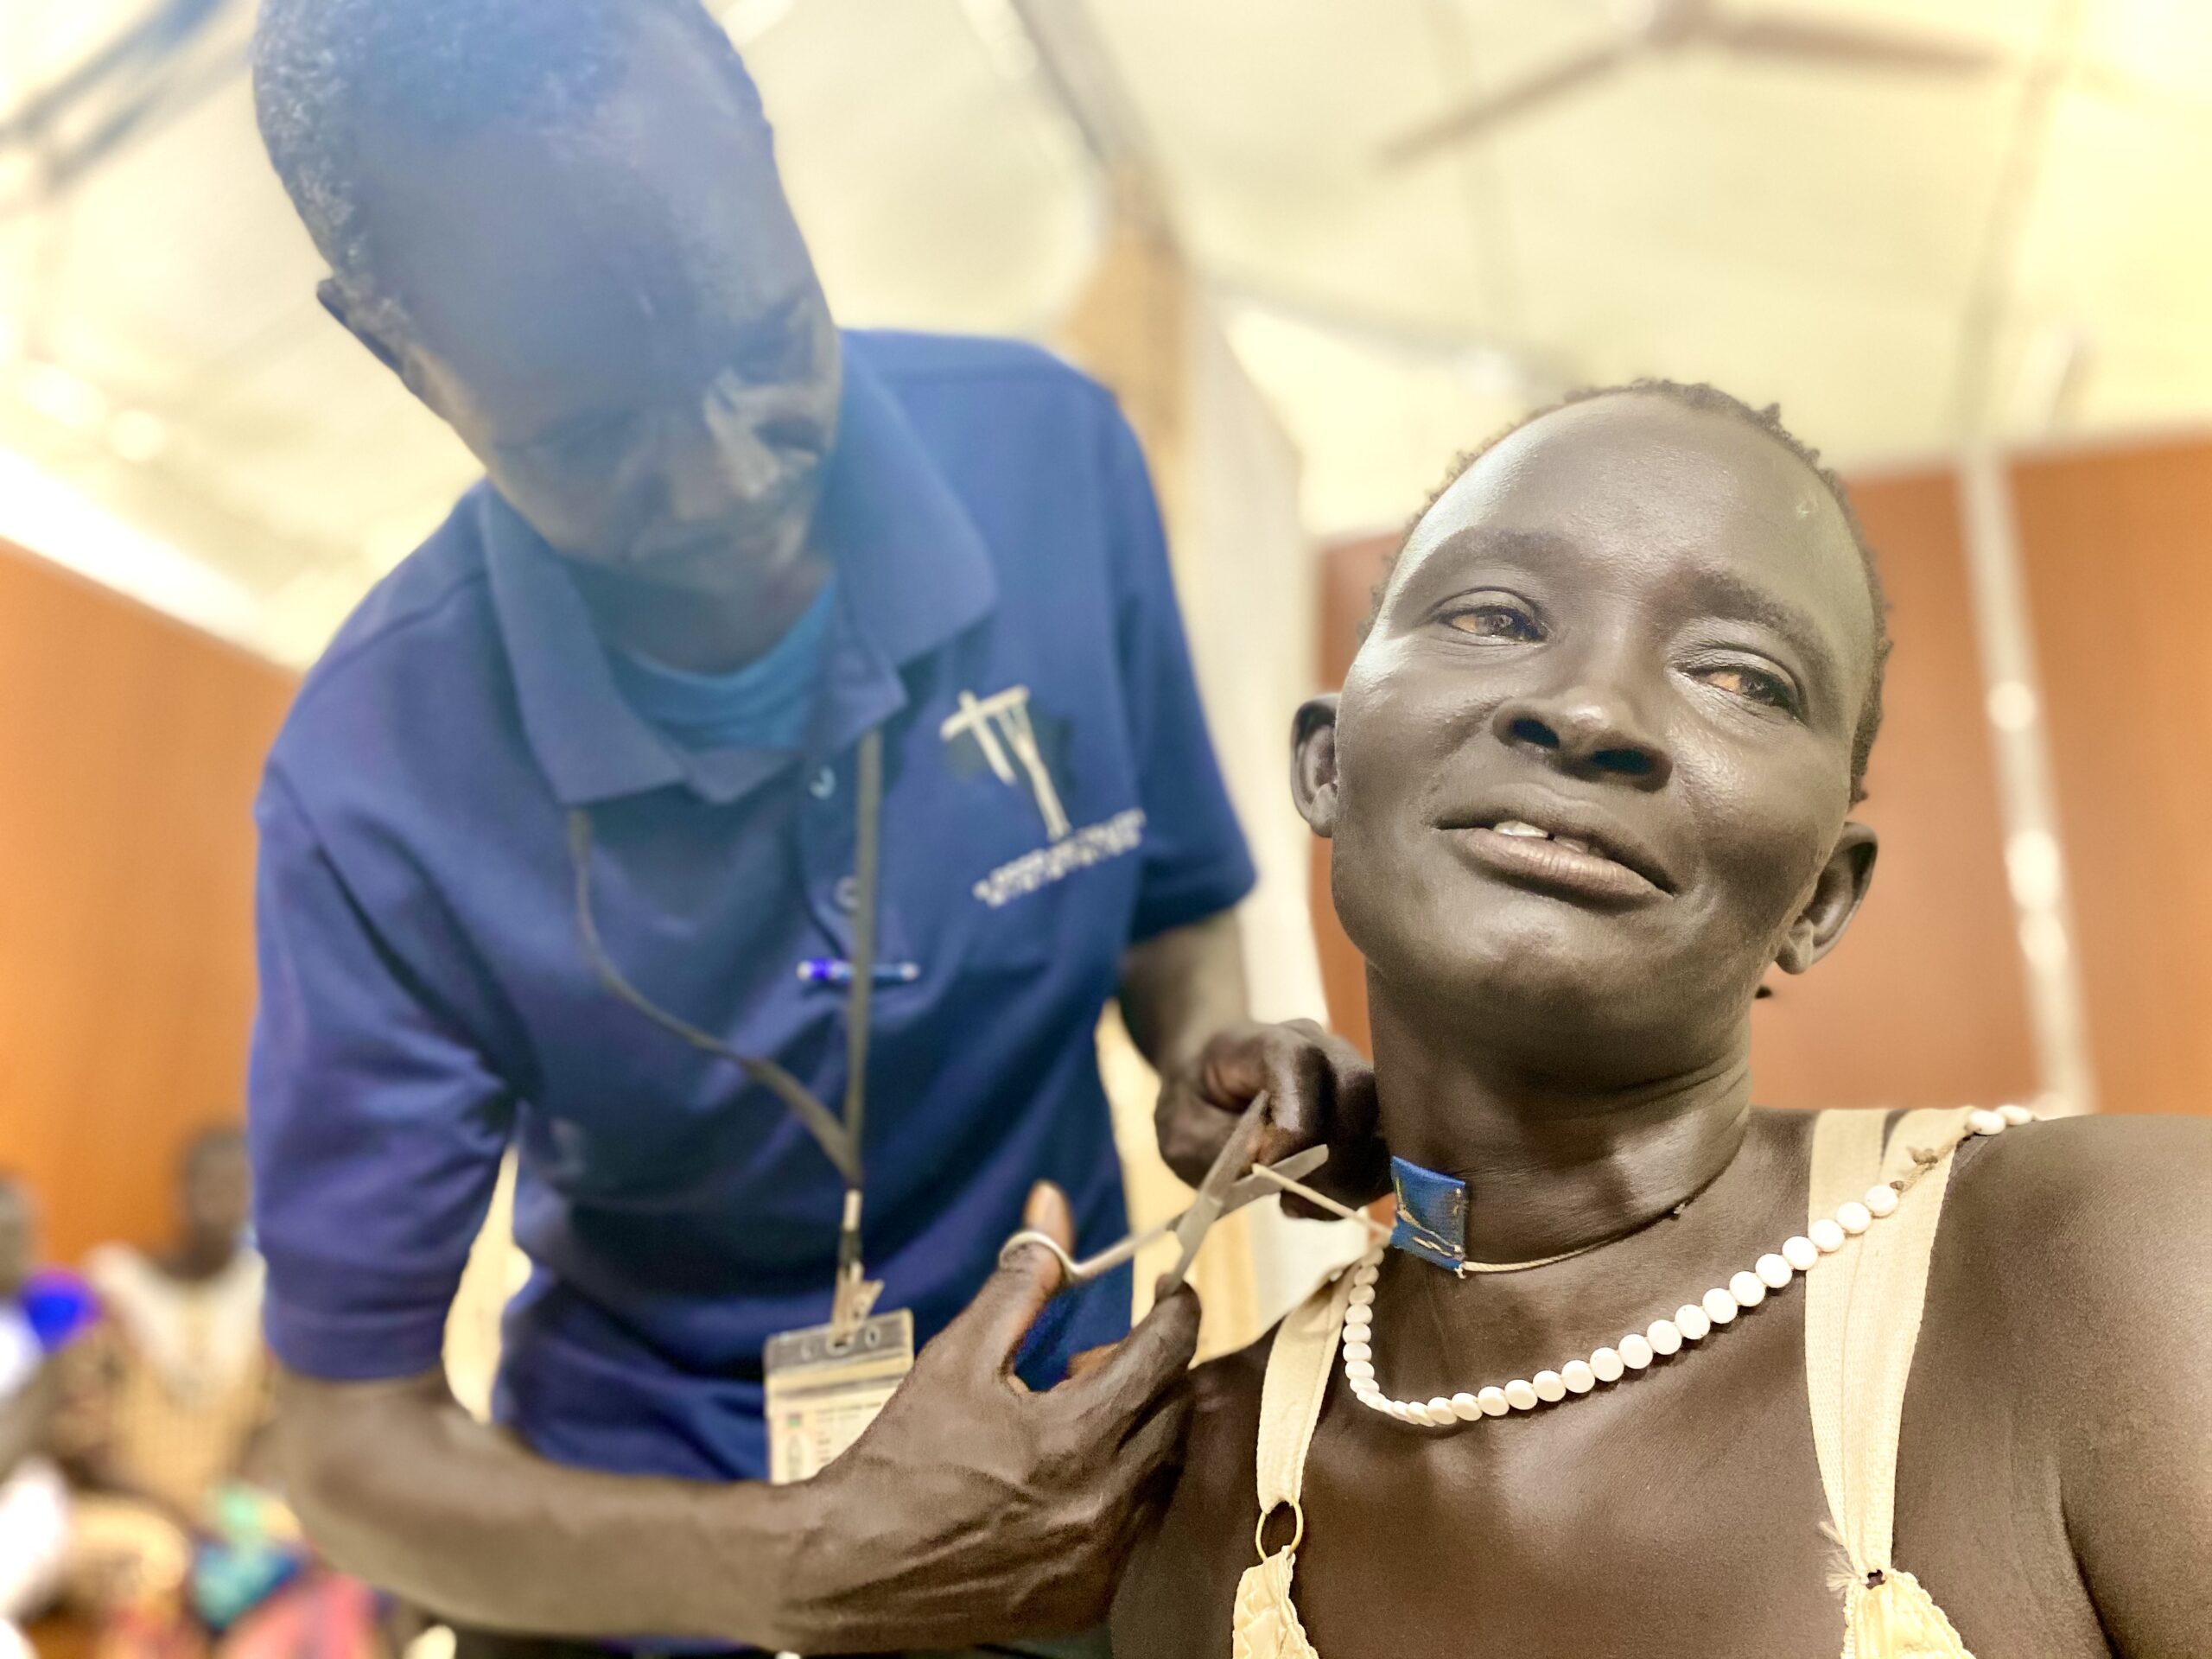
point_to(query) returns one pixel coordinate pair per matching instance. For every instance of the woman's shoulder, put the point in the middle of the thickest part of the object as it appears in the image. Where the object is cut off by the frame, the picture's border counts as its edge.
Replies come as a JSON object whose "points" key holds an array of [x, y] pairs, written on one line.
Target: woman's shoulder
{"points": [[2089, 1231], [2069, 1289], [1179, 1589], [2095, 1184], [1220, 1458]]}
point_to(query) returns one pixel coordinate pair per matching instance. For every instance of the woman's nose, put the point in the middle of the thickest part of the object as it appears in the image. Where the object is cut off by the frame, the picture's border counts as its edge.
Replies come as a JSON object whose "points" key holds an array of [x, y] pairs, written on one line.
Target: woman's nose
{"points": [[1585, 731]]}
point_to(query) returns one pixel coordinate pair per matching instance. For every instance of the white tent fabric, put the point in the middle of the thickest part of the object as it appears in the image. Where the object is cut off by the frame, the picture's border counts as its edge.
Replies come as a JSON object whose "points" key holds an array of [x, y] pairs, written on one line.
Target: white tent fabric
{"points": [[1811, 233], [1247, 581]]}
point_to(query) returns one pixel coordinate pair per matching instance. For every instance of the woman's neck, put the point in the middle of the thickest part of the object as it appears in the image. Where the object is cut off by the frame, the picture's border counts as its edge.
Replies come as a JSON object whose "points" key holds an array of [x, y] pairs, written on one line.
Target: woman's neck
{"points": [[1554, 1161]]}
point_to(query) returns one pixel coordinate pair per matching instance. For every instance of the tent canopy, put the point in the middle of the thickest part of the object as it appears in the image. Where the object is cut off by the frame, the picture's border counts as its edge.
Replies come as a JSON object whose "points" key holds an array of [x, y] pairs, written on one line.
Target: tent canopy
{"points": [[1865, 243]]}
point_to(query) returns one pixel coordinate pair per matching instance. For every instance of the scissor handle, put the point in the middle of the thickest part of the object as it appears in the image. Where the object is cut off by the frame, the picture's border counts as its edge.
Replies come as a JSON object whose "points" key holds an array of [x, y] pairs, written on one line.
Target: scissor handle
{"points": [[1069, 1267], [1074, 1272]]}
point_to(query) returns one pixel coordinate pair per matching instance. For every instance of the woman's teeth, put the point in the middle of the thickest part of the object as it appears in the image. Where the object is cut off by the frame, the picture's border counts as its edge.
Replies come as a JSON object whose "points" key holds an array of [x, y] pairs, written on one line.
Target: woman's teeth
{"points": [[1516, 827]]}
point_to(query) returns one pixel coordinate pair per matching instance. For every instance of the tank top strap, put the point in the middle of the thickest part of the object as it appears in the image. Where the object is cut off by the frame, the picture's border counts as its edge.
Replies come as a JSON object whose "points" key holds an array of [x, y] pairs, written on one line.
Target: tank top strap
{"points": [[1862, 1323], [1265, 1623]]}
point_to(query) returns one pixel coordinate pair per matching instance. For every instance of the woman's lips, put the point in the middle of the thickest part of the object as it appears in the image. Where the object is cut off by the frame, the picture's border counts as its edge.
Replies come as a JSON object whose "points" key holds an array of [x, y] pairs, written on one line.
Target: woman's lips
{"points": [[1529, 856]]}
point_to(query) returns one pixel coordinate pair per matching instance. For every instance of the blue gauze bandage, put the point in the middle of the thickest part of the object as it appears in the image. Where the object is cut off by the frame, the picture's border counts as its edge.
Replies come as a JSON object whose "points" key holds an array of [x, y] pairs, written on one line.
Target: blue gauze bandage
{"points": [[1432, 1214]]}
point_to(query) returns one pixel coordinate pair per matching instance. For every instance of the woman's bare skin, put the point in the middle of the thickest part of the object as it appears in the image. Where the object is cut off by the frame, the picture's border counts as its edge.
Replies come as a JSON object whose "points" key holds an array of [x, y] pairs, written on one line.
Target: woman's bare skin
{"points": [[1583, 1064]]}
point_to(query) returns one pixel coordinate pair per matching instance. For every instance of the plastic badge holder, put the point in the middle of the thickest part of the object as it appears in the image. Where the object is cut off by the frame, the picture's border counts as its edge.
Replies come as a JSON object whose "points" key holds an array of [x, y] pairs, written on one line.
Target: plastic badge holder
{"points": [[824, 1390]]}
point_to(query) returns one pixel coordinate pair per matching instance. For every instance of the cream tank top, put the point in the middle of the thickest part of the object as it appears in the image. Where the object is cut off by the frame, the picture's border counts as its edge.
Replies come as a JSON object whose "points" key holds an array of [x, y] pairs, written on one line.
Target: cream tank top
{"points": [[1862, 1321]]}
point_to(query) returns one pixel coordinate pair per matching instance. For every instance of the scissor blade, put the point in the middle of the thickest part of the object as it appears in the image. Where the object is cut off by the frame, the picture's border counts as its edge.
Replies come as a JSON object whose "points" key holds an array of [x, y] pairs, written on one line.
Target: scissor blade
{"points": [[1234, 1159], [1257, 1185]]}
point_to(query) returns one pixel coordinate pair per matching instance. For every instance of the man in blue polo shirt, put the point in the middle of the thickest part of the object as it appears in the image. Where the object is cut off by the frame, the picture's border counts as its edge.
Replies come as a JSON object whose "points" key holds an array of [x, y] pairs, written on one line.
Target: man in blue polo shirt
{"points": [[569, 846]]}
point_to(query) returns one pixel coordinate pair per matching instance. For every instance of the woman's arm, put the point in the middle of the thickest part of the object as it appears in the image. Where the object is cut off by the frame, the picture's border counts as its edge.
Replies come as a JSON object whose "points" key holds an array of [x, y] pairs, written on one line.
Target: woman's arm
{"points": [[1177, 1597], [2111, 1226]]}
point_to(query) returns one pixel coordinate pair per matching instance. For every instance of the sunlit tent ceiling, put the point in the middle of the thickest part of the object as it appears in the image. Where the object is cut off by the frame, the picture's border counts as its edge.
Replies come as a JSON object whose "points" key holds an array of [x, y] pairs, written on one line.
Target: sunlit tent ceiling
{"points": [[1834, 232]]}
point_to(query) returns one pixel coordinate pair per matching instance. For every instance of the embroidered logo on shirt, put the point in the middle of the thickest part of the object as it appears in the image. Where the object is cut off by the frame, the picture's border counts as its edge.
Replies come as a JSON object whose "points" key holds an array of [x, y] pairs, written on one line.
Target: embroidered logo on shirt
{"points": [[1078, 850], [999, 733], [1000, 727]]}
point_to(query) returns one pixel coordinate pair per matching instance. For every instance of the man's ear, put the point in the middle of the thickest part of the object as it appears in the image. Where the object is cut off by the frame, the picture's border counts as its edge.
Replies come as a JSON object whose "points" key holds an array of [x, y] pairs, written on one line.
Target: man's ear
{"points": [[1313, 764], [1837, 893], [335, 302]]}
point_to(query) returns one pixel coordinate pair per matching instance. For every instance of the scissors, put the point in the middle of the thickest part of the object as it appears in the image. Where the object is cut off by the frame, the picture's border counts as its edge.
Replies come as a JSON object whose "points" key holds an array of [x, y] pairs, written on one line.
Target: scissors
{"points": [[1220, 1194]]}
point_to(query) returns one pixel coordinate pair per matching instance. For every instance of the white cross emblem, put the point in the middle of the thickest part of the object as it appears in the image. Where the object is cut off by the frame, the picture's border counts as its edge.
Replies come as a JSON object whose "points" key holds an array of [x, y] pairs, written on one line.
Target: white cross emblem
{"points": [[1005, 715]]}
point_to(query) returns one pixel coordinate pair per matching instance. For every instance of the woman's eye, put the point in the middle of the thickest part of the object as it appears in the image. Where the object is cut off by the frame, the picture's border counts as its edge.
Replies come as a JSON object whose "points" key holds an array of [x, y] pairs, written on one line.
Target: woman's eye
{"points": [[1753, 684], [1494, 622]]}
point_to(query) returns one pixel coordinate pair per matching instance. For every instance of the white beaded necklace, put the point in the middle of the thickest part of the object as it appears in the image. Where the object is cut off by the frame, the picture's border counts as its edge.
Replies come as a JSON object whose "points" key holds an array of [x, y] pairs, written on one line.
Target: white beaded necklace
{"points": [[1692, 1321]]}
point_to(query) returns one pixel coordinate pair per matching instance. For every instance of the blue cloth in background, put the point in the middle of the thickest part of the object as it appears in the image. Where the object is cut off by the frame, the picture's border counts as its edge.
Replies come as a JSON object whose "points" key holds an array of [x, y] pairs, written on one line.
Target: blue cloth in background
{"points": [[763, 705], [59, 1305], [1432, 1214]]}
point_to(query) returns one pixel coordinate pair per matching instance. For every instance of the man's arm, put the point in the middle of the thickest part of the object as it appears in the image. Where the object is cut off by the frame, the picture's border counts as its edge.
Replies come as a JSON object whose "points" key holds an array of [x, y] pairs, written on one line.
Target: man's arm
{"points": [[1183, 992], [972, 1511], [2108, 1265], [1180, 987]]}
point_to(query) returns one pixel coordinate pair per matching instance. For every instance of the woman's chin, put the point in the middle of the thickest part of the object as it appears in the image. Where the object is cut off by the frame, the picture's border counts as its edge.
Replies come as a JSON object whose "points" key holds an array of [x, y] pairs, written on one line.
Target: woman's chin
{"points": [[1544, 998]]}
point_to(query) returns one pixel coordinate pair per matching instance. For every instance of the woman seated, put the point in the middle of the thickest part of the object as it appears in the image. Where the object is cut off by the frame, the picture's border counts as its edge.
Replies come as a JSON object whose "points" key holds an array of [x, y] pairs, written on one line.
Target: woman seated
{"points": [[1651, 1371]]}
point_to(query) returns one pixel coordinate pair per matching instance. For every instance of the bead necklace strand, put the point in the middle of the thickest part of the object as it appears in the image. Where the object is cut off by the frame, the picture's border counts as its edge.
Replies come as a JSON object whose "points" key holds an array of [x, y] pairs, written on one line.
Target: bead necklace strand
{"points": [[1692, 1322]]}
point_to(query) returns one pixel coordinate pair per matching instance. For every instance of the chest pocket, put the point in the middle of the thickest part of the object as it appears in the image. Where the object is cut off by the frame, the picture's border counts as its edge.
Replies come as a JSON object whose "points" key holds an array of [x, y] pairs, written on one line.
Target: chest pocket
{"points": [[1025, 874]]}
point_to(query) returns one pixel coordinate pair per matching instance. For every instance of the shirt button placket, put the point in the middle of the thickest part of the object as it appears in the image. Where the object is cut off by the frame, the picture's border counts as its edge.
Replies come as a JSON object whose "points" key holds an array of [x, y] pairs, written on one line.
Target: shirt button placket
{"points": [[826, 855]]}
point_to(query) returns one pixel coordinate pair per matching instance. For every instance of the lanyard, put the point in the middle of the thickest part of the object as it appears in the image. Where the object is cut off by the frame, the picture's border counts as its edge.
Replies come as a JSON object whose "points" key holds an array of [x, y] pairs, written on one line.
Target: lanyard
{"points": [[839, 1139]]}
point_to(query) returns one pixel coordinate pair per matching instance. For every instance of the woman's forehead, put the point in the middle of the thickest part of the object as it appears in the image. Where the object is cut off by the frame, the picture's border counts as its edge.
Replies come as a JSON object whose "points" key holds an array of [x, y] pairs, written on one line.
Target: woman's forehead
{"points": [[1639, 480]]}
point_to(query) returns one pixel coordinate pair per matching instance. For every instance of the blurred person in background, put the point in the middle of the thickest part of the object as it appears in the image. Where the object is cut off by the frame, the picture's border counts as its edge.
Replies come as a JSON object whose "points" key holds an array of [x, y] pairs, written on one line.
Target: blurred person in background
{"points": [[564, 827], [34, 1501], [171, 1388]]}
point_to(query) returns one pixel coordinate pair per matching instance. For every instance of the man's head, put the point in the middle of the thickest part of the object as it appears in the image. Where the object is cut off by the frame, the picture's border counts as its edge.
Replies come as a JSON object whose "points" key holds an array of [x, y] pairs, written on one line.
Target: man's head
{"points": [[214, 1188], [1589, 775], [18, 1235], [560, 221]]}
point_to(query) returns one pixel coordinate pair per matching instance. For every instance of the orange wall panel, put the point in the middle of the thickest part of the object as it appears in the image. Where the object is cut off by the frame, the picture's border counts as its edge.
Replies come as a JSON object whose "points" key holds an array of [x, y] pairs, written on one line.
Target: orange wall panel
{"points": [[2117, 549], [1349, 573], [1923, 1002], [130, 749]]}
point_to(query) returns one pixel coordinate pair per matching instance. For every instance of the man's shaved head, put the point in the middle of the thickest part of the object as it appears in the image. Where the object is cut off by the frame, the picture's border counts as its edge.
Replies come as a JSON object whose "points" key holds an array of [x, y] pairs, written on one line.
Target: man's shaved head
{"points": [[331, 76]]}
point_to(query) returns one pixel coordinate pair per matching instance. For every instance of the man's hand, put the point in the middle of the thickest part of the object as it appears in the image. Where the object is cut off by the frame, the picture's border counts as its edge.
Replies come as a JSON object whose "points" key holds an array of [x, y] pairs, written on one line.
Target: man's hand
{"points": [[973, 1508], [1321, 1092]]}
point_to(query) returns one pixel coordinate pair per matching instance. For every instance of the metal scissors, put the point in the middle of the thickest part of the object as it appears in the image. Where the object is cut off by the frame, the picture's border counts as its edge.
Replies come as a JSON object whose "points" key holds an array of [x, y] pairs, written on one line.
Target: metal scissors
{"points": [[1221, 1193]]}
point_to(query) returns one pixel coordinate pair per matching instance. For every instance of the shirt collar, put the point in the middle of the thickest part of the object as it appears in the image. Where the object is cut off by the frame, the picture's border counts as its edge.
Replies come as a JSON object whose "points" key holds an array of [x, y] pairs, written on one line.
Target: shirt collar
{"points": [[914, 572]]}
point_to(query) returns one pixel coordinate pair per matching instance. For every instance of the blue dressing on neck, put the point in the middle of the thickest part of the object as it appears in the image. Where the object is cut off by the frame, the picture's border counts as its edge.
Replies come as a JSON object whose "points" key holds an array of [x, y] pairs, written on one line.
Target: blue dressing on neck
{"points": [[1432, 1214]]}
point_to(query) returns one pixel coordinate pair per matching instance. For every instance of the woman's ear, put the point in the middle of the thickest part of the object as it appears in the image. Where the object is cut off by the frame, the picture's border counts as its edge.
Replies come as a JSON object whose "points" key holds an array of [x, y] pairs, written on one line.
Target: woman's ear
{"points": [[1313, 764], [1838, 891]]}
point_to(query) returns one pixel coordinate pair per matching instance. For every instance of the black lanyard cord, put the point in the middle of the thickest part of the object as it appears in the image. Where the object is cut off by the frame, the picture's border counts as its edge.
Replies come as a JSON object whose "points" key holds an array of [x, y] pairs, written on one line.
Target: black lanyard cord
{"points": [[839, 1142], [868, 871]]}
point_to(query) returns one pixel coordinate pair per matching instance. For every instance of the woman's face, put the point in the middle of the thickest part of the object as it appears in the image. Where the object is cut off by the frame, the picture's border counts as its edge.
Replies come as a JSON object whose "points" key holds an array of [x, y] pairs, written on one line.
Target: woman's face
{"points": [[1590, 770]]}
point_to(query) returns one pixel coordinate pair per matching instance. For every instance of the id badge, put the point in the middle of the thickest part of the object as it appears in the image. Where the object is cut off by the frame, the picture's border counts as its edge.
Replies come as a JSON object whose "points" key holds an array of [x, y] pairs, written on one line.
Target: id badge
{"points": [[824, 1390]]}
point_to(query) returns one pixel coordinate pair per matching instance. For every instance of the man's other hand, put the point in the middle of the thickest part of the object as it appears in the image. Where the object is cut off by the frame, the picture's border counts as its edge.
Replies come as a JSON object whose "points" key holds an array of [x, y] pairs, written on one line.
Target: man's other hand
{"points": [[1321, 1092]]}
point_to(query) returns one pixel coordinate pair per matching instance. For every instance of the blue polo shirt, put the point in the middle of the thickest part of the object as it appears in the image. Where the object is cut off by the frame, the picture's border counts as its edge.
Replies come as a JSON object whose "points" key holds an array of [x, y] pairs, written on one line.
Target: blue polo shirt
{"points": [[1003, 612]]}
